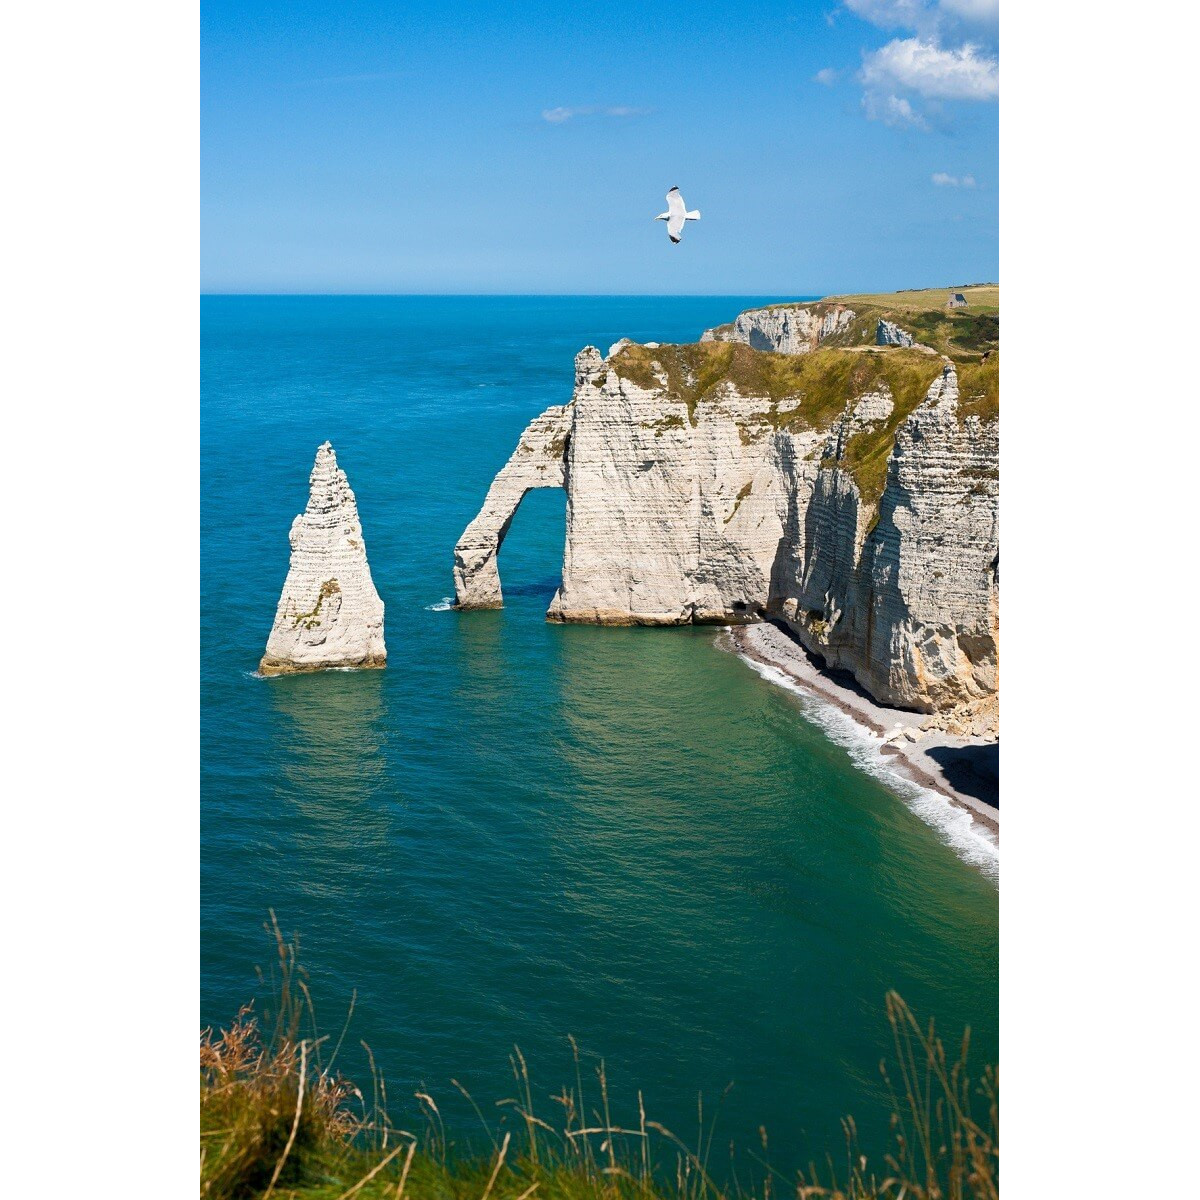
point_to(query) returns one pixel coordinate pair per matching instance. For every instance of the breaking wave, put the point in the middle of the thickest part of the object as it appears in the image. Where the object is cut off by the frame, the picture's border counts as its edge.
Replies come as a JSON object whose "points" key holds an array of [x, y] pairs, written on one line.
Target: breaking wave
{"points": [[445, 604], [972, 842]]}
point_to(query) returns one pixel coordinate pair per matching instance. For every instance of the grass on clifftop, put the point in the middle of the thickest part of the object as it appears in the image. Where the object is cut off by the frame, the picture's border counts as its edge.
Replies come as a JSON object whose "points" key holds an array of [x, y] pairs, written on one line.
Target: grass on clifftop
{"points": [[812, 388], [277, 1121], [980, 297], [963, 334], [803, 391]]}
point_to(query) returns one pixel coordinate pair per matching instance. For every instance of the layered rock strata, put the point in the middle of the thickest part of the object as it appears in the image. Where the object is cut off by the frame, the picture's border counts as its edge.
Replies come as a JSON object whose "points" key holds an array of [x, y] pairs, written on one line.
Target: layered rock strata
{"points": [[851, 493], [329, 613], [783, 330]]}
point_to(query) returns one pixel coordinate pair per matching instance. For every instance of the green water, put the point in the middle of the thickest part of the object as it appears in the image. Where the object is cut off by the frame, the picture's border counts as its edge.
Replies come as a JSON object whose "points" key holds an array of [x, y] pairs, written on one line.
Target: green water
{"points": [[518, 830]]}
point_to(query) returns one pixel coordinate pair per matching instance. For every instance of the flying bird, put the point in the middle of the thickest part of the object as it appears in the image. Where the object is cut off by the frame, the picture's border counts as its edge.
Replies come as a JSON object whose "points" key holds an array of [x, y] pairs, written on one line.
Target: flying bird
{"points": [[676, 214]]}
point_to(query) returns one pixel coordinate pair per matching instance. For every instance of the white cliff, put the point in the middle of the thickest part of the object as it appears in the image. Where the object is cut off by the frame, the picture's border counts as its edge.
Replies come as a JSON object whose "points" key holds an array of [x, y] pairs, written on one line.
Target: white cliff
{"points": [[851, 493], [790, 329], [538, 461], [905, 594], [329, 613]]}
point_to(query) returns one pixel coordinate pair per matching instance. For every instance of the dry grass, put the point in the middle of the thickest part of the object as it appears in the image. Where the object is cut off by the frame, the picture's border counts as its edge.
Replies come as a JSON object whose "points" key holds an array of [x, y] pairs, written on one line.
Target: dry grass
{"points": [[277, 1122], [982, 297]]}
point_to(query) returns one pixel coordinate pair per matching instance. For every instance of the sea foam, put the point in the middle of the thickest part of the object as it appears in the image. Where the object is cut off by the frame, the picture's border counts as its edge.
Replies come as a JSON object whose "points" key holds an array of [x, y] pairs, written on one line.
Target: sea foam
{"points": [[445, 604], [972, 842]]}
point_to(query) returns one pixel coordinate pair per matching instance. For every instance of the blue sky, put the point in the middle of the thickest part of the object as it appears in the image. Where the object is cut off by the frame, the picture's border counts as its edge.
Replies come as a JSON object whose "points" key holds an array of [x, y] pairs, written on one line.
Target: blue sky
{"points": [[464, 147]]}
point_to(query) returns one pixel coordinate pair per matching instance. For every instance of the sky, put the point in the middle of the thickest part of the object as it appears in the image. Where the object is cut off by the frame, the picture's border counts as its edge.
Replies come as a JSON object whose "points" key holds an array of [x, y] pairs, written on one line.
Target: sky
{"points": [[369, 147]]}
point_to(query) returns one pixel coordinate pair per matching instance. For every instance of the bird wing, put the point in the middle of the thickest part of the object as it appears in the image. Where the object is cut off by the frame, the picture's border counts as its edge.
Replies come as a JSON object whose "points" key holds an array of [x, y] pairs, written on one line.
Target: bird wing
{"points": [[675, 205], [675, 224]]}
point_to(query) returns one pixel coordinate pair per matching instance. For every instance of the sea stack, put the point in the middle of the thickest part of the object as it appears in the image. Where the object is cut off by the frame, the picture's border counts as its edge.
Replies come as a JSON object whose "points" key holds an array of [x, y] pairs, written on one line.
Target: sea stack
{"points": [[329, 614]]}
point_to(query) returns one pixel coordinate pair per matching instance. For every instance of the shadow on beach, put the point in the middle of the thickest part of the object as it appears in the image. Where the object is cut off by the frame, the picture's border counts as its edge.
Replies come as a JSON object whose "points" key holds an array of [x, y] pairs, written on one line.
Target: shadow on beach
{"points": [[972, 770]]}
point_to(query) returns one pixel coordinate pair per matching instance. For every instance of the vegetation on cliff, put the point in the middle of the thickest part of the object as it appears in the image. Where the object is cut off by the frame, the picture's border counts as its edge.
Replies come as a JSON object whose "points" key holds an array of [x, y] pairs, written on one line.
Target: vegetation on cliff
{"points": [[962, 334], [813, 391], [806, 391], [276, 1120]]}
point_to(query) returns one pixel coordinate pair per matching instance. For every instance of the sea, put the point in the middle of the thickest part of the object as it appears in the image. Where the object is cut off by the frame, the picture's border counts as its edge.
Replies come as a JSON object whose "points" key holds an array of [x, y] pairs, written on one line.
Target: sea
{"points": [[624, 847]]}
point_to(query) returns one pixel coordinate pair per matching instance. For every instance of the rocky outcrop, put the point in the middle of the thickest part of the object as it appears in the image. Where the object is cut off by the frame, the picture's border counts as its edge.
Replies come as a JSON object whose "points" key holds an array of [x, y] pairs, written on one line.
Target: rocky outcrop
{"points": [[852, 495], [671, 516], [791, 329], [888, 333], [906, 595], [329, 613], [538, 461]]}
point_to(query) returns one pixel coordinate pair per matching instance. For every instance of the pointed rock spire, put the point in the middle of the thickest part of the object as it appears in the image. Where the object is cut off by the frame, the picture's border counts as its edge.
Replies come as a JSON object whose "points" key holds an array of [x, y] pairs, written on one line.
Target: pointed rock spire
{"points": [[329, 614]]}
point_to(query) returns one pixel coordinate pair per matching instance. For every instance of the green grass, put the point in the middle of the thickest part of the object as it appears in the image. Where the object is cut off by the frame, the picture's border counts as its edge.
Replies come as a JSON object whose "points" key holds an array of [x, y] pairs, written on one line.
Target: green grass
{"points": [[979, 390], [277, 1120], [820, 383]]}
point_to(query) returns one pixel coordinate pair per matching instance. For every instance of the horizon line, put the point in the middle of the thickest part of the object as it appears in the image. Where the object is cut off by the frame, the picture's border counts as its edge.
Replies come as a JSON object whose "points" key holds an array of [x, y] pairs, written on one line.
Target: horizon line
{"points": [[504, 295]]}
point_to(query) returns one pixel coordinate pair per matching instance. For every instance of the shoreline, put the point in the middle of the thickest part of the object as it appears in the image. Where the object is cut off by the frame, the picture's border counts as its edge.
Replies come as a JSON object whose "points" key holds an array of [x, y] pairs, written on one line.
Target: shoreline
{"points": [[771, 646]]}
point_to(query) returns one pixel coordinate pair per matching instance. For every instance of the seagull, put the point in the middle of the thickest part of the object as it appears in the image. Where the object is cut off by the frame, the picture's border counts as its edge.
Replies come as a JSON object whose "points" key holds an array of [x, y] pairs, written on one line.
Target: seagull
{"points": [[676, 214]]}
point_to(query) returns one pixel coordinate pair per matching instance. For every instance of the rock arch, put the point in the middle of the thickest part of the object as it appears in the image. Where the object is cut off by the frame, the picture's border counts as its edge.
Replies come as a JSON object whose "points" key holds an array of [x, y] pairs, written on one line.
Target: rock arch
{"points": [[539, 461]]}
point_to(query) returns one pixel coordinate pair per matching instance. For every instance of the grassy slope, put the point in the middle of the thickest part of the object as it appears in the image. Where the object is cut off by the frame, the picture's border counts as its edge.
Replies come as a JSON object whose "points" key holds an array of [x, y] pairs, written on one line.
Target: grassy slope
{"points": [[277, 1121], [983, 297], [261, 1136]]}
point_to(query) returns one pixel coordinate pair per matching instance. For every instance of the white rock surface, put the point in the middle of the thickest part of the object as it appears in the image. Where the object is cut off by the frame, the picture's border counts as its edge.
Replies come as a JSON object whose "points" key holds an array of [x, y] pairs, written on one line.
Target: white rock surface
{"points": [[329, 613], [792, 329], [888, 333], [668, 522], [538, 461], [730, 510], [909, 602]]}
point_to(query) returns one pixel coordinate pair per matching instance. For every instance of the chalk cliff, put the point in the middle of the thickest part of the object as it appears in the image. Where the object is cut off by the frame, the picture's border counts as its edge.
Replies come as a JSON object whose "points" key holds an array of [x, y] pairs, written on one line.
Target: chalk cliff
{"points": [[851, 492], [788, 329], [538, 461], [329, 613], [888, 333]]}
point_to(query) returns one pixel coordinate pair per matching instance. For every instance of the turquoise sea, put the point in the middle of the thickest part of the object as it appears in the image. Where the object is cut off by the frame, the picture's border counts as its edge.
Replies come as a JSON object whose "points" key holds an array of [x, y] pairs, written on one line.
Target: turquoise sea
{"points": [[520, 831]]}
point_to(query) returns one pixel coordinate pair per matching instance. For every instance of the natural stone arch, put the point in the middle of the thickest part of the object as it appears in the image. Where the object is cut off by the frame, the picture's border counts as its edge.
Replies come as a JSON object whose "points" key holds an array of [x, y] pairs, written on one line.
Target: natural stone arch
{"points": [[539, 461]]}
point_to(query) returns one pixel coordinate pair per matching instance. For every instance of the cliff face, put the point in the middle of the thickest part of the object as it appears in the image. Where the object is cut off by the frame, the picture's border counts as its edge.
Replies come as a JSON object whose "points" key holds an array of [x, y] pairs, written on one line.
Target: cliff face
{"points": [[850, 492], [329, 613], [905, 594], [784, 330]]}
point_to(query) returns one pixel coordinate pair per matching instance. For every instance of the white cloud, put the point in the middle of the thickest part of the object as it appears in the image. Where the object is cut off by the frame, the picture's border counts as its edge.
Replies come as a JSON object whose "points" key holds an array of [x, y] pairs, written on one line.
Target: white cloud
{"points": [[951, 54], [556, 116], [827, 76], [941, 179], [930, 71], [892, 110]]}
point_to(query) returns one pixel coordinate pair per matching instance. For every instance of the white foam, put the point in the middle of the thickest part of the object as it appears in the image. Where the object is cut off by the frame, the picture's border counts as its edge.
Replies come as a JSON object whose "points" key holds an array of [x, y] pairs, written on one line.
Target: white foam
{"points": [[972, 842], [445, 604]]}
